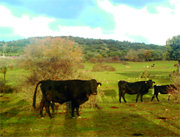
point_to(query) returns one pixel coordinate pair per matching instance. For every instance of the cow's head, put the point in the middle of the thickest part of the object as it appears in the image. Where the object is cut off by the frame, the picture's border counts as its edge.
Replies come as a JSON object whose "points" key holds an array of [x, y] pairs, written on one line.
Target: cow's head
{"points": [[149, 83], [94, 85]]}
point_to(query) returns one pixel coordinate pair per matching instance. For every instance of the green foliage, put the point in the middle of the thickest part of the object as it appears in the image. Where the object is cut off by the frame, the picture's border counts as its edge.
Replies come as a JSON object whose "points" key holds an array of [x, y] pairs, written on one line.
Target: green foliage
{"points": [[112, 48], [4, 68], [91, 48], [4, 71], [173, 48], [145, 74]]}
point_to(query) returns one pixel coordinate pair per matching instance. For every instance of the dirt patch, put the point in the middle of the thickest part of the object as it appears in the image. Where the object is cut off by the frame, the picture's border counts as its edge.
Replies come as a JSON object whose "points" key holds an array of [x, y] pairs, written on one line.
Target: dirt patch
{"points": [[114, 107], [61, 112], [137, 134], [132, 105], [4, 99], [165, 118], [84, 119]]}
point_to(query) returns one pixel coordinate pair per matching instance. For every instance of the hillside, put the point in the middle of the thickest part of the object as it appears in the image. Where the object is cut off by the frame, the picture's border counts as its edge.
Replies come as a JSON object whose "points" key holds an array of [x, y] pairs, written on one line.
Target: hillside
{"points": [[93, 48]]}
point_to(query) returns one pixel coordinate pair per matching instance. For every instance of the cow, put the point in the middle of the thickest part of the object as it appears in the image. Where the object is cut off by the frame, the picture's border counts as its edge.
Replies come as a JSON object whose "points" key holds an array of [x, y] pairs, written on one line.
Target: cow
{"points": [[152, 66], [163, 89], [139, 88], [61, 91]]}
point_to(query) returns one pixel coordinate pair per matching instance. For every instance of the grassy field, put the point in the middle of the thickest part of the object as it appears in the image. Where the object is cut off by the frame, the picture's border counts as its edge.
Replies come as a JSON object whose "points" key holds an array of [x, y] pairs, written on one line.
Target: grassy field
{"points": [[146, 118]]}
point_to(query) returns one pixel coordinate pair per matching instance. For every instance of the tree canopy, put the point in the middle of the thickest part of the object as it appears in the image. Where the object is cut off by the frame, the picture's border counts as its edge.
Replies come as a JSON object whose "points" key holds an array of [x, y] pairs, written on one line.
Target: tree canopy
{"points": [[97, 48], [173, 48]]}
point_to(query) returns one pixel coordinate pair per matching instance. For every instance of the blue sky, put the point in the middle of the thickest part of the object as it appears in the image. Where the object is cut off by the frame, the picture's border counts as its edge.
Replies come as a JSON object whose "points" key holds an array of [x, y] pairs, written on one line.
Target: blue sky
{"points": [[148, 21]]}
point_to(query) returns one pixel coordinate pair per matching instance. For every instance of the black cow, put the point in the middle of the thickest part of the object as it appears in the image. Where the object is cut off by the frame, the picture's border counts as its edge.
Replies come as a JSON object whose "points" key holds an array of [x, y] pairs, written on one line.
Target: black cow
{"points": [[163, 89], [75, 91], [139, 88]]}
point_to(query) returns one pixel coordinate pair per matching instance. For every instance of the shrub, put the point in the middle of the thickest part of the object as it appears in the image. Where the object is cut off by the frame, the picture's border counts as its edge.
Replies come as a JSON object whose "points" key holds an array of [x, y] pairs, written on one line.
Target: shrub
{"points": [[4, 88], [101, 67], [176, 81], [145, 74], [52, 58]]}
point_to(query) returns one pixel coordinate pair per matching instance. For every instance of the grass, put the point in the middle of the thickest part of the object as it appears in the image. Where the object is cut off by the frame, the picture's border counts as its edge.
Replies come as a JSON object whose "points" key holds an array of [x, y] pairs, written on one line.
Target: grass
{"points": [[147, 118], [113, 119]]}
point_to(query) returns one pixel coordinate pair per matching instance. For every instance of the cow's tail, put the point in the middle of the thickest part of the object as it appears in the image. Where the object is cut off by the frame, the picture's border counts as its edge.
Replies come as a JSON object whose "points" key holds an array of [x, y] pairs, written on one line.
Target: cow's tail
{"points": [[34, 97]]}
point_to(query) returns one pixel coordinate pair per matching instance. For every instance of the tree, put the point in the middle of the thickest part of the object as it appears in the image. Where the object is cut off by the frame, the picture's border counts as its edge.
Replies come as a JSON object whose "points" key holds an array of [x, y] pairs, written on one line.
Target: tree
{"points": [[132, 55], [4, 64], [173, 48], [3, 70], [52, 58], [148, 55]]}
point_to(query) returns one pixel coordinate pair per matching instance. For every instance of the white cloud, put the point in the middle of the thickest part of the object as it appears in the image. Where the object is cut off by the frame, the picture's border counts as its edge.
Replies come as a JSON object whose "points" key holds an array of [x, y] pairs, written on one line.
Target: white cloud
{"points": [[131, 23], [25, 26], [82, 31], [156, 28]]}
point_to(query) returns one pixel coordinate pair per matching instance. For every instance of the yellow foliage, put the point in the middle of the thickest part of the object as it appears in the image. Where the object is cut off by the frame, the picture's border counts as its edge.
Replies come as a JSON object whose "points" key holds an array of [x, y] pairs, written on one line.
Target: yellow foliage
{"points": [[52, 58]]}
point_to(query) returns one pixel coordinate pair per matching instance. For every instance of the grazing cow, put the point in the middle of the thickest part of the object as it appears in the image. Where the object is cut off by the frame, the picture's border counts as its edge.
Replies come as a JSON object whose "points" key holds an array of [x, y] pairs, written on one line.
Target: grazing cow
{"points": [[75, 91], [139, 88], [152, 66], [163, 89]]}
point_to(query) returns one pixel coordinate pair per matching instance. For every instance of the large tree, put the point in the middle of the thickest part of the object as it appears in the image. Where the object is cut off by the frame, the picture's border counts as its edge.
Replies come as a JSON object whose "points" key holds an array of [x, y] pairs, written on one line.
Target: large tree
{"points": [[173, 48]]}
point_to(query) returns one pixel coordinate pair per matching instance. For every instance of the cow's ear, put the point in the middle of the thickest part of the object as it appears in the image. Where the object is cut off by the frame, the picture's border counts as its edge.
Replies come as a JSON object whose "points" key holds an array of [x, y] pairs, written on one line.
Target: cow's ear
{"points": [[146, 82], [99, 84]]}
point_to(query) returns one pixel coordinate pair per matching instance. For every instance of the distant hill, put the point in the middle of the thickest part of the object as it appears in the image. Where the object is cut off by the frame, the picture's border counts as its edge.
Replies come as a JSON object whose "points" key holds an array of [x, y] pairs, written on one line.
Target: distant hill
{"points": [[93, 48]]}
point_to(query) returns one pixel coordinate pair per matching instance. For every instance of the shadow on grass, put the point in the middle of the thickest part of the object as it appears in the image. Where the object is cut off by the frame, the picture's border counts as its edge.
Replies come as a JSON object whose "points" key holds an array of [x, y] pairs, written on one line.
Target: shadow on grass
{"points": [[109, 94], [125, 124], [97, 123], [131, 74], [66, 127], [104, 122]]}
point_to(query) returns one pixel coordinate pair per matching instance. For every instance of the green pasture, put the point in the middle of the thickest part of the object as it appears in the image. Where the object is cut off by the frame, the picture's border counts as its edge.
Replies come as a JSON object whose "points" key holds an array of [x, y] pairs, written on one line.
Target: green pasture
{"points": [[147, 118]]}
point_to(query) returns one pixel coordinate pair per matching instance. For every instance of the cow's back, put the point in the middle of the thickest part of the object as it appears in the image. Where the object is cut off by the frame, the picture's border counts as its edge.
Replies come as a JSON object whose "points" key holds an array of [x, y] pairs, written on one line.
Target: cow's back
{"points": [[134, 87], [55, 91]]}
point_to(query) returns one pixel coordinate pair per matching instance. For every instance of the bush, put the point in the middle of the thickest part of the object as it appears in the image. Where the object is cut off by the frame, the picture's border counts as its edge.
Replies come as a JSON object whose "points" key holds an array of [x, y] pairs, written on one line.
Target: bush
{"points": [[52, 58], [145, 74], [176, 81], [4, 88], [101, 67]]}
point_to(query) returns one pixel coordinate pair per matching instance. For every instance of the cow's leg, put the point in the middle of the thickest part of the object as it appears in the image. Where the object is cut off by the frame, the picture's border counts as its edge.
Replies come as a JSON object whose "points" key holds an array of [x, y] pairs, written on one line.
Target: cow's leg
{"points": [[72, 109], [157, 97], [124, 97], [141, 97], [152, 98], [120, 94], [77, 111], [137, 97], [52, 106], [41, 107], [169, 95], [47, 104]]}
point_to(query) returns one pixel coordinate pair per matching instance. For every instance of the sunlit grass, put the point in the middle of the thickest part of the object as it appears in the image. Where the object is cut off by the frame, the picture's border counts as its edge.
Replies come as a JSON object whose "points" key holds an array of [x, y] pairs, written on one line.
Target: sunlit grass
{"points": [[18, 118]]}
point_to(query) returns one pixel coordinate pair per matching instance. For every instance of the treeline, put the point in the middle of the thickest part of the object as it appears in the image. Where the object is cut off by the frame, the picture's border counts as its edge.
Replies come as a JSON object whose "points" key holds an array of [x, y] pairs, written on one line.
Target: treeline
{"points": [[112, 50], [13, 48], [98, 50]]}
